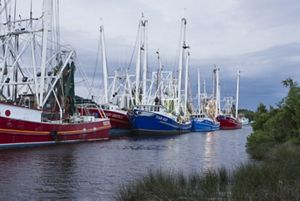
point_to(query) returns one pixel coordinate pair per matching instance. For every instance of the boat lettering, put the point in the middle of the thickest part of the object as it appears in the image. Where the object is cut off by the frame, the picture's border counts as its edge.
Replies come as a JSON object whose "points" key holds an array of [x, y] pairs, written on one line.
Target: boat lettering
{"points": [[161, 118], [117, 116]]}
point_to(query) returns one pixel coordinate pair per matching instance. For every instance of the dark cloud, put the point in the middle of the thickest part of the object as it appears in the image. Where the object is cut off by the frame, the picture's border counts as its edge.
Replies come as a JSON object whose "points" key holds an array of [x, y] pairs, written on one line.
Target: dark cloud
{"points": [[218, 32], [261, 73]]}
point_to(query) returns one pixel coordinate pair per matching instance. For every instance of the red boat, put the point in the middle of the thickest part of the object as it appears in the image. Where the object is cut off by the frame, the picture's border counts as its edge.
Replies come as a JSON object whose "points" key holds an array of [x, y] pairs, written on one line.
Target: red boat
{"points": [[119, 120], [227, 122], [38, 88], [21, 126]]}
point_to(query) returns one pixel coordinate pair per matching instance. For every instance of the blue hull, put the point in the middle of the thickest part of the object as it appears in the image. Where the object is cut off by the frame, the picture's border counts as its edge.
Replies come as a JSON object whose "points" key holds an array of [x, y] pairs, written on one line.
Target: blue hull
{"points": [[203, 125], [153, 124]]}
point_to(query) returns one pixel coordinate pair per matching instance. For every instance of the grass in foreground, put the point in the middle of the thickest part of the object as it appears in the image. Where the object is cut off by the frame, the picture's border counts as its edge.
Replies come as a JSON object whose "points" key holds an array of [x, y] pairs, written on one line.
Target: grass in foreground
{"points": [[277, 178]]}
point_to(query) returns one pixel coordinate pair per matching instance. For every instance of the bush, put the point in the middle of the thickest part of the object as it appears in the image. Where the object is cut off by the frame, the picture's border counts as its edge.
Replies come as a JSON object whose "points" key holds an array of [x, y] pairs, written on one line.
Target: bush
{"points": [[276, 125]]}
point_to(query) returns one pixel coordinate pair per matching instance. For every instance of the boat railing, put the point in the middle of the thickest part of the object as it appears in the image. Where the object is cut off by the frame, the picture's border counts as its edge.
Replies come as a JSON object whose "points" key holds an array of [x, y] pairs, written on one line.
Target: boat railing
{"points": [[152, 108], [109, 107], [159, 109], [87, 106]]}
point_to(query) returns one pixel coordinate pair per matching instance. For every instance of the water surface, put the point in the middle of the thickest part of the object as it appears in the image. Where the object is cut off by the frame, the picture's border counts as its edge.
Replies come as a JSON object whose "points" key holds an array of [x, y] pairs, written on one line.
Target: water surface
{"points": [[96, 170]]}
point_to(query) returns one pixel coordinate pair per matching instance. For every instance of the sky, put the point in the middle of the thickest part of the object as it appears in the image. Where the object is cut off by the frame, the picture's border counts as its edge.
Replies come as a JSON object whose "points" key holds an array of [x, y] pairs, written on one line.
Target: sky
{"points": [[259, 37]]}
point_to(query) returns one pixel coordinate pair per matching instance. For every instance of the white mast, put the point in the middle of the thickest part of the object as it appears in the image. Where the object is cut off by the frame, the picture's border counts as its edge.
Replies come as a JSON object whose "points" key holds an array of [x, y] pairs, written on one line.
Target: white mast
{"points": [[217, 92], [158, 76], [145, 58], [186, 82], [138, 67], [104, 64], [237, 94], [46, 24], [180, 61], [199, 91], [141, 52]]}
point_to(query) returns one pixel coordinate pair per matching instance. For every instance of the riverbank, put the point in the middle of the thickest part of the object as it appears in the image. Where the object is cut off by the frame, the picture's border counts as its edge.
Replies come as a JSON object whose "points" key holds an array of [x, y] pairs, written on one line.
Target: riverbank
{"points": [[276, 178]]}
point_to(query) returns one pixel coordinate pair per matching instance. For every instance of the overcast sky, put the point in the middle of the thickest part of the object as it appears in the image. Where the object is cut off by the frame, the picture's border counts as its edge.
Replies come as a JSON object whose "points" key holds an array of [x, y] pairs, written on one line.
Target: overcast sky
{"points": [[260, 37]]}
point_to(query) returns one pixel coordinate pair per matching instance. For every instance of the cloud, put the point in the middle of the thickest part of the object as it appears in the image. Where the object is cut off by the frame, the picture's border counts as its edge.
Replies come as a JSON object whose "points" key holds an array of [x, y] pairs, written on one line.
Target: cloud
{"points": [[261, 73], [259, 37]]}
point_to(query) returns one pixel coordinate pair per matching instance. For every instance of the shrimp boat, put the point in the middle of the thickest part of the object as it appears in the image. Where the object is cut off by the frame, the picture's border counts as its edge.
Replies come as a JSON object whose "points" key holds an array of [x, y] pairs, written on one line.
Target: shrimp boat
{"points": [[119, 120], [37, 92], [200, 121], [120, 124], [154, 119], [227, 120], [245, 121]]}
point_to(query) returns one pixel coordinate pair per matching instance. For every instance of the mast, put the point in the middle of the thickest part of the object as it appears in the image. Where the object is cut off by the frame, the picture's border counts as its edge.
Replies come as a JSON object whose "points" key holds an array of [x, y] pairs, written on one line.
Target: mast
{"points": [[141, 53], [237, 94], [57, 31], [104, 64], [199, 91], [145, 58], [46, 24], [138, 67], [180, 61], [158, 86], [186, 82], [217, 91]]}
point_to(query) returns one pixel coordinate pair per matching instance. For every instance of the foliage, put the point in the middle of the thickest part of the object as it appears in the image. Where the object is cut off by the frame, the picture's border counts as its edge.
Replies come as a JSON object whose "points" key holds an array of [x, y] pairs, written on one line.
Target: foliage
{"points": [[276, 125]]}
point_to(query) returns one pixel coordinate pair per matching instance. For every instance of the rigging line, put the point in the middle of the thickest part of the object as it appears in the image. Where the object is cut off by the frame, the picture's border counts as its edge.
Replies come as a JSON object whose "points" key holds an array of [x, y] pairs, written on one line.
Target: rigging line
{"points": [[175, 61], [97, 61], [134, 48], [4, 8], [84, 77]]}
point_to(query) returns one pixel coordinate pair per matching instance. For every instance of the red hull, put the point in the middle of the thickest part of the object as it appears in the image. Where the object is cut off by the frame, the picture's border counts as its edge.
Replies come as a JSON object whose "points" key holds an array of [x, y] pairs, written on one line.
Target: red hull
{"points": [[118, 120], [20, 132], [228, 123]]}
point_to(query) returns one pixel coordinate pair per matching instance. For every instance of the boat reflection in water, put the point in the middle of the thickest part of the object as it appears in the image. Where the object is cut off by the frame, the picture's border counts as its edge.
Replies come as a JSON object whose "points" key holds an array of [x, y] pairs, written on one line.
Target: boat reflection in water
{"points": [[209, 150]]}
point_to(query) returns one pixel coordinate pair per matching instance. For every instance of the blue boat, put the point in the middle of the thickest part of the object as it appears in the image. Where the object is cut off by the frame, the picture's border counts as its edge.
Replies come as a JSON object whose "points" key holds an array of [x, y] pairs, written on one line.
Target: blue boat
{"points": [[154, 120], [201, 123]]}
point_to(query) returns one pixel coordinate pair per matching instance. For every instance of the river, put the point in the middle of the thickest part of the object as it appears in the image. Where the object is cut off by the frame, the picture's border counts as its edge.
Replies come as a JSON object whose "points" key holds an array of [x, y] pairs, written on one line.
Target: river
{"points": [[96, 170]]}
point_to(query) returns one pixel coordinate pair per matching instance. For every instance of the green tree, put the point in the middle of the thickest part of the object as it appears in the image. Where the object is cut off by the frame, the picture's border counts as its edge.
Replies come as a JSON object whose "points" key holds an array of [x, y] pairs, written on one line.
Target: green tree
{"points": [[276, 125]]}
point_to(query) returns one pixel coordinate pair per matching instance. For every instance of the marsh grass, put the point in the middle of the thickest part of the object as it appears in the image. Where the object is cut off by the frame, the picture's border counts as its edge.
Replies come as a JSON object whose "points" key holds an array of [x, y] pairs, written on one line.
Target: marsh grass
{"points": [[277, 178]]}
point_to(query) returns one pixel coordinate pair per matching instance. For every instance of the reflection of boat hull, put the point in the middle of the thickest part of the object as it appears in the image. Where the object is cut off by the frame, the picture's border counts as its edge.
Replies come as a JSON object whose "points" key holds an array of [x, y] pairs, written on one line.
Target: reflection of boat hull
{"points": [[153, 124], [228, 123], [204, 125], [20, 133]]}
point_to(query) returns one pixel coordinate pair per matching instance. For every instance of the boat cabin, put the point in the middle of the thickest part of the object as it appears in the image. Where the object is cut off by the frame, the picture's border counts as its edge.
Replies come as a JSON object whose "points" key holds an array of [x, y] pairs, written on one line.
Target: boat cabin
{"points": [[152, 108], [198, 116], [109, 107]]}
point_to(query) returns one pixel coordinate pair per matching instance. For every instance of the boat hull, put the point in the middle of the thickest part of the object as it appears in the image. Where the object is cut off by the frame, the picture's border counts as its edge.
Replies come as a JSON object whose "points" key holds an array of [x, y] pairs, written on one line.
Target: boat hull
{"points": [[228, 123], [120, 123], [203, 125], [16, 133], [146, 123], [118, 120]]}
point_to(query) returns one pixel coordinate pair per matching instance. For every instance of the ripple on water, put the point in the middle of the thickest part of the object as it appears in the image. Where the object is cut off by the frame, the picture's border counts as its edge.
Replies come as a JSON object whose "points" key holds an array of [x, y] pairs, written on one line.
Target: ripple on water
{"points": [[95, 171]]}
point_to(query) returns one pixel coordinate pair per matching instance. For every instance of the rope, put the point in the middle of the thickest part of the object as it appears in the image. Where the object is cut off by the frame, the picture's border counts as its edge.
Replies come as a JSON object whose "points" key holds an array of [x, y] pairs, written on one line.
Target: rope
{"points": [[134, 48], [97, 61]]}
